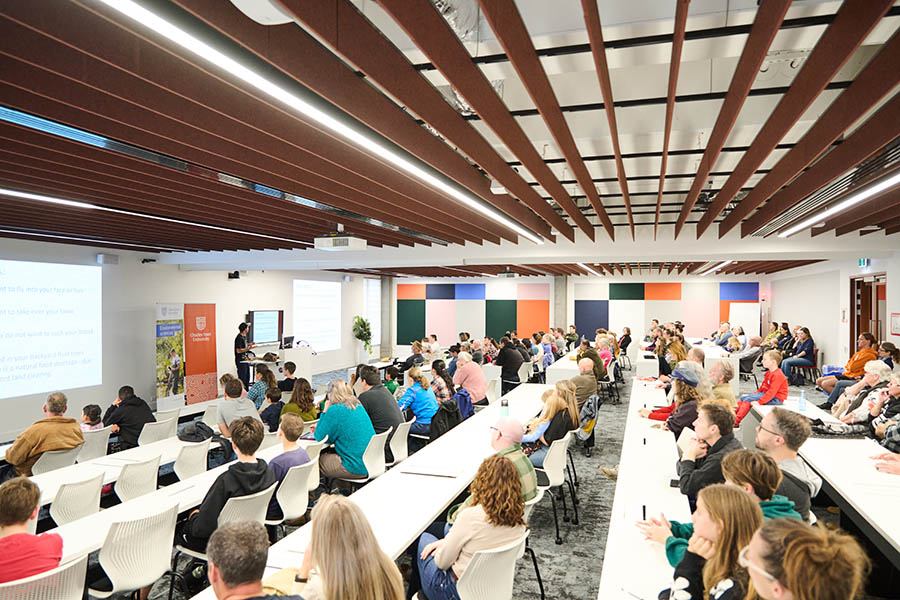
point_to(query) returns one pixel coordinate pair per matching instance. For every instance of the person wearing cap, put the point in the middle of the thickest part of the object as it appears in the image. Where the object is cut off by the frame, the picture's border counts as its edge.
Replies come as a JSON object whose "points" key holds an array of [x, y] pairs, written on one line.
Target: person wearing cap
{"points": [[506, 440], [682, 412], [701, 463]]}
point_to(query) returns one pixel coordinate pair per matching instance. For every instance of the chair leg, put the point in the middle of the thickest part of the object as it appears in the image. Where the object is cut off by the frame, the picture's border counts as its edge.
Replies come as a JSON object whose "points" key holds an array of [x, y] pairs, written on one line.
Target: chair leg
{"points": [[175, 574], [572, 461], [562, 497], [537, 571], [555, 516], [574, 501]]}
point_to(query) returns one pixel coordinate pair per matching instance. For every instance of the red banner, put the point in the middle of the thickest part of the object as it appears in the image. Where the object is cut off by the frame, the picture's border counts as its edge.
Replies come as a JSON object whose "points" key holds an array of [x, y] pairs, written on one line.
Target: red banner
{"points": [[201, 372]]}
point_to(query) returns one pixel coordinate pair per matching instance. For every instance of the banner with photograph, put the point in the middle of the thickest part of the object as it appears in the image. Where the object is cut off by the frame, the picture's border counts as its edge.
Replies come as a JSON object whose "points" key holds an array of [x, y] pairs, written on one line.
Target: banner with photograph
{"points": [[201, 370], [169, 354]]}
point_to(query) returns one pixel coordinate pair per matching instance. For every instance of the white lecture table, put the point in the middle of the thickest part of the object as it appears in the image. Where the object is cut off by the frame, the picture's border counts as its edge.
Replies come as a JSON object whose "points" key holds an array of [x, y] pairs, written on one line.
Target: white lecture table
{"points": [[564, 368], [632, 566], [398, 521]]}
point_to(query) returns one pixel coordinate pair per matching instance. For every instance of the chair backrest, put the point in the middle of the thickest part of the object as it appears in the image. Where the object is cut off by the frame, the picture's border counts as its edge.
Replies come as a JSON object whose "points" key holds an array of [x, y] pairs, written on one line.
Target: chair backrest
{"points": [[192, 459], [155, 432], [490, 371], [373, 457], [555, 461], [399, 449], [493, 390], [56, 459], [96, 444], [529, 506], [252, 507], [293, 493], [270, 438], [76, 500], [209, 417], [490, 573], [137, 479], [314, 450], [65, 582], [138, 551], [165, 415]]}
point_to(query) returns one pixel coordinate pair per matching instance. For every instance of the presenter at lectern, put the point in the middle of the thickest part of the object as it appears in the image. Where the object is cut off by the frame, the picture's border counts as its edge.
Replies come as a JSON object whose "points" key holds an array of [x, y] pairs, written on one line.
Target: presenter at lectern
{"points": [[240, 350]]}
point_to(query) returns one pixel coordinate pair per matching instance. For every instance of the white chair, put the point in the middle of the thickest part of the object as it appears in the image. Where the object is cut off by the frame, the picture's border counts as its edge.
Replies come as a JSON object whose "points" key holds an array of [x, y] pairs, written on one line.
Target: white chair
{"points": [[165, 415], [136, 552], [399, 448], [96, 444], [373, 458], [191, 459], [554, 470], [56, 459], [65, 582], [490, 371], [270, 438], [293, 493], [314, 450], [209, 417], [490, 573], [525, 371], [493, 390], [76, 500], [137, 479], [155, 432]]}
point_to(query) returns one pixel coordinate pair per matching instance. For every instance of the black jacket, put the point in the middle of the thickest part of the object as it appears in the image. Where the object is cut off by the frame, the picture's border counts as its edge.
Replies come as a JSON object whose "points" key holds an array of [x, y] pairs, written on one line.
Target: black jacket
{"points": [[797, 492], [599, 367], [130, 415], [411, 361], [693, 476], [509, 360], [688, 583], [241, 479], [384, 412]]}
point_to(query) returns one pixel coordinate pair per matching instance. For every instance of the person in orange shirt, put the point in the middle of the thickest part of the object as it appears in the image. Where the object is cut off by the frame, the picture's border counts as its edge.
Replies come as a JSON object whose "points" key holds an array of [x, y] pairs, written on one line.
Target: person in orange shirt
{"points": [[834, 385]]}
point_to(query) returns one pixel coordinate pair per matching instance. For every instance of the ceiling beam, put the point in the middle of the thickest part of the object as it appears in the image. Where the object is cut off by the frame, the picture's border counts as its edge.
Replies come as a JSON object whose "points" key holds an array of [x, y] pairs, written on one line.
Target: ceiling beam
{"points": [[762, 33], [505, 20], [595, 35], [860, 212], [886, 211], [891, 227], [431, 33], [855, 20], [878, 130], [681, 12], [869, 87]]}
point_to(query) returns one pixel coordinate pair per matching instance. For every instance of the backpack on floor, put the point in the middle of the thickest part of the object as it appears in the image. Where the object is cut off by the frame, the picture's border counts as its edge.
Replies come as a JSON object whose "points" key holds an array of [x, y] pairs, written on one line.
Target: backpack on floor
{"points": [[796, 378]]}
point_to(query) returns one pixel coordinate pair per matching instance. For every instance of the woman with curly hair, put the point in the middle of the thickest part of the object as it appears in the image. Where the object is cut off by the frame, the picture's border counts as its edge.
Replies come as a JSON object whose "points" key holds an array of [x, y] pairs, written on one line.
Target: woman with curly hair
{"points": [[495, 519]]}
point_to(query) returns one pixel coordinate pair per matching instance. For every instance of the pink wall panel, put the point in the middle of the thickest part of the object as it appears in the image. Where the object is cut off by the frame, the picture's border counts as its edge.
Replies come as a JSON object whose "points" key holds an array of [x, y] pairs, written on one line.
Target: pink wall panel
{"points": [[440, 318], [533, 291]]}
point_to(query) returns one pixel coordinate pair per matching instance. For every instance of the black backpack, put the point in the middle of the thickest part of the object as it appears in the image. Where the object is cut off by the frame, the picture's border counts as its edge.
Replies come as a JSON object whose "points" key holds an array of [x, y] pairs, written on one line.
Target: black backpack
{"points": [[446, 418], [197, 431]]}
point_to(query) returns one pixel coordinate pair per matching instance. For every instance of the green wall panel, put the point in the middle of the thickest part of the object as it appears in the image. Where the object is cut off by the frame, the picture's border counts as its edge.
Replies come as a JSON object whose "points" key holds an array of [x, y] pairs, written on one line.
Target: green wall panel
{"points": [[626, 291], [499, 317], [410, 321]]}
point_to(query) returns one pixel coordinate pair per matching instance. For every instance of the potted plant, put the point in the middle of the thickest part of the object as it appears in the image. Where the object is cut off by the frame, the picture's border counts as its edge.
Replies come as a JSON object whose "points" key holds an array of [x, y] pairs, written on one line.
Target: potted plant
{"points": [[363, 332]]}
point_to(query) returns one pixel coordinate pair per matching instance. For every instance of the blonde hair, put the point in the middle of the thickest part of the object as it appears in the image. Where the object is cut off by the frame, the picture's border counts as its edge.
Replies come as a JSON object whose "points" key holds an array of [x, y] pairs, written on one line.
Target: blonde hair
{"points": [[678, 352], [416, 375], [346, 554], [340, 393], [774, 355], [417, 346], [738, 517]]}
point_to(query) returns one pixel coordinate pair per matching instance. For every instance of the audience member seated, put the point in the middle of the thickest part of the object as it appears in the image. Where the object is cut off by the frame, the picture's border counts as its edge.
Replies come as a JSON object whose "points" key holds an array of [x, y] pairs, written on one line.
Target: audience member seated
{"points": [[721, 373], [724, 523], [392, 379], [54, 432], [225, 378], [237, 561], [495, 519], [889, 353], [750, 354], [585, 382], [21, 553], [246, 476], [477, 353], [780, 435], [91, 418], [287, 384], [738, 332], [720, 337], [625, 340], [413, 359], [271, 410], [380, 406], [683, 411], [434, 348], [734, 345], [441, 381], [696, 358], [547, 347], [559, 339], [470, 377], [233, 407], [506, 440], [603, 351], [454, 351], [701, 463], [771, 337], [803, 354], [265, 379], [878, 411], [788, 560], [774, 387], [349, 430], [491, 349], [858, 397], [289, 431], [128, 414], [560, 416], [753, 472], [785, 339], [571, 337], [419, 398], [302, 401], [834, 385], [509, 360], [585, 351]]}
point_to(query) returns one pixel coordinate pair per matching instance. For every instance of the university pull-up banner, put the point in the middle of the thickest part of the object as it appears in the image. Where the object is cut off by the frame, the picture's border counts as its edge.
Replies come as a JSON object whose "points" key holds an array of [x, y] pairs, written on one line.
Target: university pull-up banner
{"points": [[200, 352], [169, 355]]}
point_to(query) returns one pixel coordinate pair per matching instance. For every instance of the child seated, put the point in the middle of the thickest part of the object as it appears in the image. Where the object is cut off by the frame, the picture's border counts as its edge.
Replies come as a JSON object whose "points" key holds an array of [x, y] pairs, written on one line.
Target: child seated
{"points": [[90, 418], [23, 554]]}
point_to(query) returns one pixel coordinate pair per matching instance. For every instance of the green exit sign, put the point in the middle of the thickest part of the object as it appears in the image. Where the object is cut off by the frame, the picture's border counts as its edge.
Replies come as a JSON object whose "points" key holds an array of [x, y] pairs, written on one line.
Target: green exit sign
{"points": [[864, 262]]}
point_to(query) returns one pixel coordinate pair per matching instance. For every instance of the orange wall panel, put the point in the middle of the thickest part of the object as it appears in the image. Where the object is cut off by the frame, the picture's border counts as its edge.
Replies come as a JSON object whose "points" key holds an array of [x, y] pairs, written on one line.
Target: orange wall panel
{"points": [[662, 291], [410, 291], [532, 316]]}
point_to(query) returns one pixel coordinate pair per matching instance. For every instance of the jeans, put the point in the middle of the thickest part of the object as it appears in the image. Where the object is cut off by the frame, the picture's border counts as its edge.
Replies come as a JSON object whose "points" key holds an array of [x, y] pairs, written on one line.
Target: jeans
{"points": [[787, 363], [537, 457], [420, 428], [754, 397], [508, 385], [437, 584], [839, 388]]}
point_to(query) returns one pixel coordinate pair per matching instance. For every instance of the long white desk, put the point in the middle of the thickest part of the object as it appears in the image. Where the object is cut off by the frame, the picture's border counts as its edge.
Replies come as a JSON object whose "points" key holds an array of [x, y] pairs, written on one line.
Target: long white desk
{"points": [[632, 566], [564, 368], [399, 505]]}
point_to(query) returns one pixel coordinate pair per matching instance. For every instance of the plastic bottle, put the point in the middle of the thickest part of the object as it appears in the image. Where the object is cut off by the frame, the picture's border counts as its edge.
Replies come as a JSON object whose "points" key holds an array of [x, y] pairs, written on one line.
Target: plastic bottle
{"points": [[801, 404], [504, 407]]}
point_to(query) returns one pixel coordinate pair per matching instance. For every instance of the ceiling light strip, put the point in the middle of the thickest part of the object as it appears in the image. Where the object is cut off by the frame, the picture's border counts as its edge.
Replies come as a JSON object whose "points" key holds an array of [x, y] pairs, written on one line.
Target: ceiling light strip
{"points": [[716, 268], [588, 269], [56, 236], [273, 90]]}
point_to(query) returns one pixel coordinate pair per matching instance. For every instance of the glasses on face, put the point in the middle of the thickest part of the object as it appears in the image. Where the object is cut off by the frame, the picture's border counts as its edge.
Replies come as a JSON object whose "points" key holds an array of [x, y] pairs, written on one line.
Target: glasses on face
{"points": [[742, 560], [758, 427]]}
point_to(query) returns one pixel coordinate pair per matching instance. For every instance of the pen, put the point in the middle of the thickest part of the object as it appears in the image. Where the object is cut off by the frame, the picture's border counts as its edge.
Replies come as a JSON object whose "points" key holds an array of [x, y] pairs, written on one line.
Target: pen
{"points": [[645, 441], [644, 512]]}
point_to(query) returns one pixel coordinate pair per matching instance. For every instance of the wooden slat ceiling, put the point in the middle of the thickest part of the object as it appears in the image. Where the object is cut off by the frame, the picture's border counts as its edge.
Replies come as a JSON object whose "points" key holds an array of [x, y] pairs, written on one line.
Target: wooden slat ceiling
{"points": [[194, 129], [762, 267]]}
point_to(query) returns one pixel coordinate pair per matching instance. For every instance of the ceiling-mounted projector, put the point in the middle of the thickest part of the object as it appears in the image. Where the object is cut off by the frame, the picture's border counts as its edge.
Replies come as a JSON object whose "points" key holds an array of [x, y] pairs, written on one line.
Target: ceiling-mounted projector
{"points": [[507, 274], [339, 240], [264, 12]]}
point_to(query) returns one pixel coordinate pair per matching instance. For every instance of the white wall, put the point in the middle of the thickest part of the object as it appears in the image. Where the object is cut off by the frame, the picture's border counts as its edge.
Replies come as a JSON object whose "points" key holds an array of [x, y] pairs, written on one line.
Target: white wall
{"points": [[130, 292]]}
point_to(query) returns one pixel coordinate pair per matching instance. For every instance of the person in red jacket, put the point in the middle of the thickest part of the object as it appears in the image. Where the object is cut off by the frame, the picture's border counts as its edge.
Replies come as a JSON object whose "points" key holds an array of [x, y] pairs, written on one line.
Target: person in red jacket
{"points": [[774, 388]]}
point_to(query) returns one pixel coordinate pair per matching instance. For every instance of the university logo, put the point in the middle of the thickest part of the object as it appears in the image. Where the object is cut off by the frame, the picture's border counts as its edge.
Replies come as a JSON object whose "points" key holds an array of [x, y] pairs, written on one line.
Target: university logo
{"points": [[201, 323]]}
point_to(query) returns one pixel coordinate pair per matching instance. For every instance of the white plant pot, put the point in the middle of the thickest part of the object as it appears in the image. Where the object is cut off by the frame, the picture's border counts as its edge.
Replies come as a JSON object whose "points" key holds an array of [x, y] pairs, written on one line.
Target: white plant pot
{"points": [[363, 355]]}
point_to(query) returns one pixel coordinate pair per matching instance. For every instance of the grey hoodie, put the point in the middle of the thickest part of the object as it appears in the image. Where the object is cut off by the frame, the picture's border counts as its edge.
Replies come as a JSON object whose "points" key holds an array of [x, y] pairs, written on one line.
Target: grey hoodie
{"points": [[799, 469]]}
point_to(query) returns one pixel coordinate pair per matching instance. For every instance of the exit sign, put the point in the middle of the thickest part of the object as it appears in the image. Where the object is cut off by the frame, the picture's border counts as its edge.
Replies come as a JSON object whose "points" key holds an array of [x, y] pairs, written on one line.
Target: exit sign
{"points": [[864, 262]]}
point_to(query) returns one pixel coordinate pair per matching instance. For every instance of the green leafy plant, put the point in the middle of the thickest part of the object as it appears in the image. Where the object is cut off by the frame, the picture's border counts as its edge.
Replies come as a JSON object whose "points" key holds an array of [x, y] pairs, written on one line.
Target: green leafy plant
{"points": [[363, 332]]}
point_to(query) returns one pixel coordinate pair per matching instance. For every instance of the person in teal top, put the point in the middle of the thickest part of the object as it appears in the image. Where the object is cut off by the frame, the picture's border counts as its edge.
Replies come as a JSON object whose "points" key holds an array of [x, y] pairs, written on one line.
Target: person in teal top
{"points": [[756, 473], [420, 398], [348, 427]]}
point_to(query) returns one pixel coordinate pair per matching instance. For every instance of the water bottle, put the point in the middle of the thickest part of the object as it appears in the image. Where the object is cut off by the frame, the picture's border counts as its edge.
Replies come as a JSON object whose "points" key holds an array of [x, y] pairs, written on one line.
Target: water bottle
{"points": [[504, 407], [801, 404]]}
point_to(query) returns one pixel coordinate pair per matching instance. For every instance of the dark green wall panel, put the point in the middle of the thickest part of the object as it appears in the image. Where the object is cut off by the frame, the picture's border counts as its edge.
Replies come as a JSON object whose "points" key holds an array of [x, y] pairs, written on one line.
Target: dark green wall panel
{"points": [[499, 317], [626, 291], [410, 321]]}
